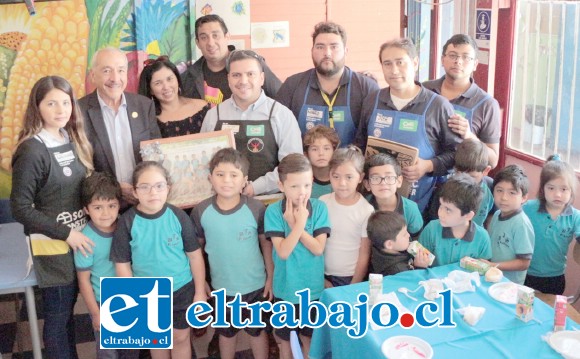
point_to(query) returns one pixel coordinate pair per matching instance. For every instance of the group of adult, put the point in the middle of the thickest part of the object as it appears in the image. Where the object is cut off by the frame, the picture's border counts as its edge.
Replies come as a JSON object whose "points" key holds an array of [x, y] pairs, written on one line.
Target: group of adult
{"points": [[62, 139]]}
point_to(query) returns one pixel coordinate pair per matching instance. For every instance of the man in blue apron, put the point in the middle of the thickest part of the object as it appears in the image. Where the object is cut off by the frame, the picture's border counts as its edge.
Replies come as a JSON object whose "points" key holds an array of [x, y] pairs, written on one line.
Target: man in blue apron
{"points": [[207, 78], [477, 113], [330, 94], [264, 130], [407, 113]]}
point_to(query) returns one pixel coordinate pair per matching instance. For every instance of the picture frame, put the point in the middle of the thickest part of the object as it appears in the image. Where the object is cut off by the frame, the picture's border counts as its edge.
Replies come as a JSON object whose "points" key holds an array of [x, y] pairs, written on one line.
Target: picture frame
{"points": [[186, 159]]}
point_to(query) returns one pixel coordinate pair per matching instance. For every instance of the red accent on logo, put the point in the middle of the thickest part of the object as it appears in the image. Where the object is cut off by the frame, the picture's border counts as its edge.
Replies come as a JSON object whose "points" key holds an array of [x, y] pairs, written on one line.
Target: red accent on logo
{"points": [[154, 341], [407, 320]]}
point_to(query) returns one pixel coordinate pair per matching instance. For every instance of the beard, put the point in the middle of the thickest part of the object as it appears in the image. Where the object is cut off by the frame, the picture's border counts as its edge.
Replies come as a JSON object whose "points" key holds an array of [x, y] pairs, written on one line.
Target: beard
{"points": [[326, 71]]}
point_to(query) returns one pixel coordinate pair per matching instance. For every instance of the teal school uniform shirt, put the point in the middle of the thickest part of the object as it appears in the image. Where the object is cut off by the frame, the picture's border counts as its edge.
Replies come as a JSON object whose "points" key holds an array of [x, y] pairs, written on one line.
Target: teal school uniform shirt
{"points": [[406, 208], [320, 188], [231, 243], [97, 262], [448, 249], [511, 237], [301, 269], [485, 206], [156, 244], [553, 237]]}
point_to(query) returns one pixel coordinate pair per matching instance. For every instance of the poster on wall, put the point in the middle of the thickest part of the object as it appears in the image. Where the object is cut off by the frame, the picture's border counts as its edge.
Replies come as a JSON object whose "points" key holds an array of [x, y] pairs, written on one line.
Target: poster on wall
{"points": [[236, 13], [270, 34]]}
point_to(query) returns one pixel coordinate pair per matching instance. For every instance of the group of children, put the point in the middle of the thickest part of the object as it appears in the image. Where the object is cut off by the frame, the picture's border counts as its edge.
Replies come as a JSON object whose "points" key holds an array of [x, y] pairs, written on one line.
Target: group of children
{"points": [[270, 253]]}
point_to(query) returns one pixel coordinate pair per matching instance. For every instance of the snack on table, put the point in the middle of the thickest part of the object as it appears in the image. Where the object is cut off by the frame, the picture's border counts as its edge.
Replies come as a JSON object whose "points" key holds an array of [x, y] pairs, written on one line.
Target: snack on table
{"points": [[560, 312], [493, 275], [415, 247], [375, 288], [474, 265], [525, 304]]}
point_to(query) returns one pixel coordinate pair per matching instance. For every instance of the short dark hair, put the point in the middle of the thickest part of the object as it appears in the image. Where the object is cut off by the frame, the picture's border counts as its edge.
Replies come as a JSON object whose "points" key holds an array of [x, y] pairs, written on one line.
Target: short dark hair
{"points": [[230, 155], [99, 185], [515, 175], [471, 155], [461, 39], [462, 191], [383, 226], [147, 75], [320, 131], [293, 163], [210, 18], [381, 159], [239, 55], [329, 27], [403, 43]]}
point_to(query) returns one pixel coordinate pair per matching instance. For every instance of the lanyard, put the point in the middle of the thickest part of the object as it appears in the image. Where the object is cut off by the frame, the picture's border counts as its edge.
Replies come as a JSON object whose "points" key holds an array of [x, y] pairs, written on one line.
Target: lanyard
{"points": [[330, 104]]}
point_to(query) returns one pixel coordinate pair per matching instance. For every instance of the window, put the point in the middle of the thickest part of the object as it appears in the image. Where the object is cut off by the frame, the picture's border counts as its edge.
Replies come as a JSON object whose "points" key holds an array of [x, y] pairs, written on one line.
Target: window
{"points": [[545, 105]]}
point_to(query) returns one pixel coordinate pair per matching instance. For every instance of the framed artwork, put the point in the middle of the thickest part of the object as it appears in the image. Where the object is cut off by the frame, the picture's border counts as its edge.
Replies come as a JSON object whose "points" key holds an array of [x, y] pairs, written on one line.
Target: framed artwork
{"points": [[186, 158]]}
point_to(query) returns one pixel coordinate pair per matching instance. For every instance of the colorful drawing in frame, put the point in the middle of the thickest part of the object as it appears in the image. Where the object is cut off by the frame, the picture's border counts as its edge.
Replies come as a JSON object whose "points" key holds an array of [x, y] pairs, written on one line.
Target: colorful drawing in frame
{"points": [[186, 158]]}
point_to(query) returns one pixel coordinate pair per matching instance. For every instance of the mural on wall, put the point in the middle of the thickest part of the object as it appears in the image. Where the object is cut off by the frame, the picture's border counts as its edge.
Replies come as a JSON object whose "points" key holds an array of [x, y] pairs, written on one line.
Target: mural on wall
{"points": [[61, 39]]}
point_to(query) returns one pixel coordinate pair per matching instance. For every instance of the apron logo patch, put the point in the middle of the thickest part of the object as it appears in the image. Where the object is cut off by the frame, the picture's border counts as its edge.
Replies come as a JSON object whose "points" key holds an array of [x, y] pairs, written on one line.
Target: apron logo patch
{"points": [[338, 116], [309, 125], [134, 114], [384, 120], [255, 130], [67, 171], [255, 145], [313, 115], [408, 125], [377, 132]]}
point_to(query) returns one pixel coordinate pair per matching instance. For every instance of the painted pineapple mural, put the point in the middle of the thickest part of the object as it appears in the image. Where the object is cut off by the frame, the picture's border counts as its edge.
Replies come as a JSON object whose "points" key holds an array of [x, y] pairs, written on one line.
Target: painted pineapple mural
{"points": [[61, 39]]}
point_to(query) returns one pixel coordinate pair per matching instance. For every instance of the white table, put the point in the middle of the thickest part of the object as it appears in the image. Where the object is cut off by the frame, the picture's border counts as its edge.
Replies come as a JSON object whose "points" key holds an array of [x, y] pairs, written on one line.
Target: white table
{"points": [[14, 278]]}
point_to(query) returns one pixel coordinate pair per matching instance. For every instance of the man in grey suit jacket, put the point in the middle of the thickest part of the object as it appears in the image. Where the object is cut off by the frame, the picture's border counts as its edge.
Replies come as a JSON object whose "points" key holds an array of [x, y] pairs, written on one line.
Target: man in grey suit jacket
{"points": [[116, 121]]}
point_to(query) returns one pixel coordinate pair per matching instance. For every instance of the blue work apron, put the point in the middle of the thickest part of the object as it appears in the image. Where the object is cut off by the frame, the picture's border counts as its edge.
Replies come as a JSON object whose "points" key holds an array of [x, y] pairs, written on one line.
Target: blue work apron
{"points": [[468, 112], [312, 115], [409, 129]]}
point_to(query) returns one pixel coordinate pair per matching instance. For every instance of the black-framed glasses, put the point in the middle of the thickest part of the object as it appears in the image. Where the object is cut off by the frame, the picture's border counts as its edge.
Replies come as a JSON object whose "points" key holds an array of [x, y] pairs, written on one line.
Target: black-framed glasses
{"points": [[378, 179], [455, 57], [147, 188]]}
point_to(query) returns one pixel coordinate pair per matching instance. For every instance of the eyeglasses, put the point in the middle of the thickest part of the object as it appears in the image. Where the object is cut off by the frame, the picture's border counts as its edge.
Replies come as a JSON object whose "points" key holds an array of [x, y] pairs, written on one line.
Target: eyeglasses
{"points": [[455, 57], [162, 58], [146, 187], [378, 179]]}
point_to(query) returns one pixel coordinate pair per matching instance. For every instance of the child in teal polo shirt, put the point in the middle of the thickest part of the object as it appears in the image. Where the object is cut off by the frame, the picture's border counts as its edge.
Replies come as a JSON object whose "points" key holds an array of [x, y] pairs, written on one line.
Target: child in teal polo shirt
{"points": [[454, 235], [298, 227], [510, 230], [230, 226], [556, 224]]}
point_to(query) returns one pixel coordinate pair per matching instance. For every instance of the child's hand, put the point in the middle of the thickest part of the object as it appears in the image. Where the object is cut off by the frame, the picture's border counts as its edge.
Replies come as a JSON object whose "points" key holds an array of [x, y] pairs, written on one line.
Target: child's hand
{"points": [[301, 212], [268, 292], [327, 284], [200, 296], [421, 260], [289, 214], [96, 320]]}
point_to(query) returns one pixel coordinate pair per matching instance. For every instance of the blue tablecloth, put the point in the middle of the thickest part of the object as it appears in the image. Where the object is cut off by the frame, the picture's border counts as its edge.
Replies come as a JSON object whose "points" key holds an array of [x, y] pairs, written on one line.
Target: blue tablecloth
{"points": [[499, 334]]}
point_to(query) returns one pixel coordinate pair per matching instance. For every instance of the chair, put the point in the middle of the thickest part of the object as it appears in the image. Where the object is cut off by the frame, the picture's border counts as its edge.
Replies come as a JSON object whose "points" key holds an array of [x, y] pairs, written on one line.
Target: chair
{"points": [[295, 346]]}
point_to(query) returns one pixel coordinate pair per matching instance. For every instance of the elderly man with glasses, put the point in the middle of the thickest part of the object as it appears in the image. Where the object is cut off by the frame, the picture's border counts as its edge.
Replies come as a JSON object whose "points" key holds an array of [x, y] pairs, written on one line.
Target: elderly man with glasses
{"points": [[264, 130], [476, 112]]}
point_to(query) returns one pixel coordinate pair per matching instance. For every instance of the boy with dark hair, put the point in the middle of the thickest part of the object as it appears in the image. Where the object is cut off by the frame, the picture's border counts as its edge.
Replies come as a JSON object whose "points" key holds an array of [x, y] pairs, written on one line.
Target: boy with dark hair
{"points": [[471, 158], [511, 232], [454, 235], [298, 227], [388, 234], [230, 226], [319, 144], [100, 198]]}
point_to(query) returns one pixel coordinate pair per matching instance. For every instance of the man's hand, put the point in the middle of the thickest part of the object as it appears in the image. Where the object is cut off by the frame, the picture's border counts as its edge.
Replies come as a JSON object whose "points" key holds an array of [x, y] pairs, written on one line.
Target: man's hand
{"points": [[127, 193], [418, 170], [79, 242], [249, 190], [460, 126]]}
